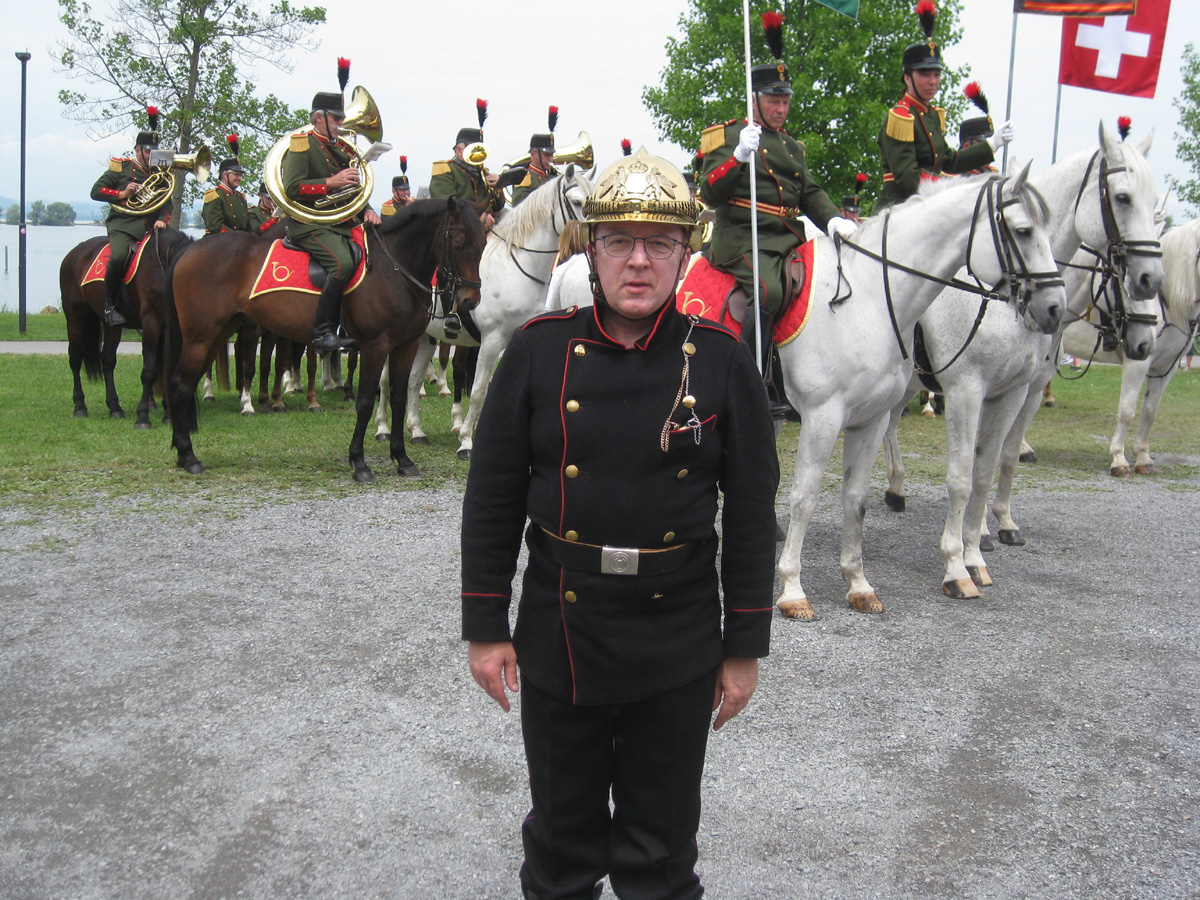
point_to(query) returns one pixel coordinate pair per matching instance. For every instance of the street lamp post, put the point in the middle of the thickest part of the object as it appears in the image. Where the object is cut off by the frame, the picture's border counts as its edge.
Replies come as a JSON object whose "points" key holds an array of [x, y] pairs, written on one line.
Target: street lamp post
{"points": [[23, 56]]}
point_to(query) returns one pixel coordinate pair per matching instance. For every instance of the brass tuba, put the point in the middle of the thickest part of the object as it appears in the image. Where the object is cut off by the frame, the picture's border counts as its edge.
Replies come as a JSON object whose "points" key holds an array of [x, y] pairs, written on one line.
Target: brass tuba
{"points": [[158, 188], [362, 117]]}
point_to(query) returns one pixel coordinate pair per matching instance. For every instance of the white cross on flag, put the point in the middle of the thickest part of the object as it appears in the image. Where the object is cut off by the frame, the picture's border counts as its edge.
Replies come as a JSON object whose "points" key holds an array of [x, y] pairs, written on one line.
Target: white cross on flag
{"points": [[1118, 54]]}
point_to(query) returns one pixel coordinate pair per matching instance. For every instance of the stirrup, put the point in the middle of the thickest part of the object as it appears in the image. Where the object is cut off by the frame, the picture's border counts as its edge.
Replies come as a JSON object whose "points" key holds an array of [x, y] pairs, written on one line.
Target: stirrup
{"points": [[451, 326], [113, 317], [328, 343]]}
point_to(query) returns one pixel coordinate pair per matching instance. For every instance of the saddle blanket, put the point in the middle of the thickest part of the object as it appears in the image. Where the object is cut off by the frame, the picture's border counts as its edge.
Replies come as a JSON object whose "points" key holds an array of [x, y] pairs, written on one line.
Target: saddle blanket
{"points": [[706, 292], [285, 269], [99, 265]]}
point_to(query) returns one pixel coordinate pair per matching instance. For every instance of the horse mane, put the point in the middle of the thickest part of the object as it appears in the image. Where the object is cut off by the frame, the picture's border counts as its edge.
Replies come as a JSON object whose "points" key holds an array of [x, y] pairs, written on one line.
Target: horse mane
{"points": [[520, 222], [1181, 281]]}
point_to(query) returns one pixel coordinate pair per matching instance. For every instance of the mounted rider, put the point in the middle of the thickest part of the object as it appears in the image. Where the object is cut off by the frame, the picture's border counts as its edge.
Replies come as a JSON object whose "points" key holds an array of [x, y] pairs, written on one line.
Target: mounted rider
{"points": [[263, 216], [912, 141], [120, 182], [317, 163], [464, 179], [785, 191], [401, 191], [541, 161], [225, 205]]}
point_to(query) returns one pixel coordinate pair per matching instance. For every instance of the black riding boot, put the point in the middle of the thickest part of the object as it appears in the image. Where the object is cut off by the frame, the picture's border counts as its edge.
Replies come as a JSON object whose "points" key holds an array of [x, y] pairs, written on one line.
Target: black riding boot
{"points": [[764, 331], [329, 306], [112, 290]]}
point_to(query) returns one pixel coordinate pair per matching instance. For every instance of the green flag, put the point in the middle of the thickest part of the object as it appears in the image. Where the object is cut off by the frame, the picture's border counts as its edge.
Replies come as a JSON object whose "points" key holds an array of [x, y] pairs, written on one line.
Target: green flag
{"points": [[845, 7]]}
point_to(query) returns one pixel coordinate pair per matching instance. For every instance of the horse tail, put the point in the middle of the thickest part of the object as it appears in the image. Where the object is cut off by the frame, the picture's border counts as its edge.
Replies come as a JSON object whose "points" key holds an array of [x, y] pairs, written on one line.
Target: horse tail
{"points": [[87, 341], [91, 339], [179, 398], [222, 361]]}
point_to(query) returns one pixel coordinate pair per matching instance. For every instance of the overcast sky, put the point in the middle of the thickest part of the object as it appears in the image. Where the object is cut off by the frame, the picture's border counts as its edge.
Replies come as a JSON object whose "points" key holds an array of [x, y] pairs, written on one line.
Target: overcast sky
{"points": [[592, 67]]}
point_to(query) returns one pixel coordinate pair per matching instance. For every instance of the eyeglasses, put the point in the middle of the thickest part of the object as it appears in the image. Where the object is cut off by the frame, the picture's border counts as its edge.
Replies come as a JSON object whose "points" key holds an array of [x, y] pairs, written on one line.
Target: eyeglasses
{"points": [[620, 246]]}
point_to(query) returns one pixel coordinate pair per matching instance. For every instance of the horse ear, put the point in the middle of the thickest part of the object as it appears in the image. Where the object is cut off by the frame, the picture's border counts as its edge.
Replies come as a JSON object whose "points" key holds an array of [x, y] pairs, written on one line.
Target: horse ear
{"points": [[1144, 146], [1018, 183], [1108, 144], [570, 171]]}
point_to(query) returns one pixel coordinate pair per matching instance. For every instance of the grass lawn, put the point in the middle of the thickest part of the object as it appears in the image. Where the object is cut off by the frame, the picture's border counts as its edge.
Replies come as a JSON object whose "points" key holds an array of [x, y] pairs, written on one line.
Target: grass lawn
{"points": [[43, 327]]}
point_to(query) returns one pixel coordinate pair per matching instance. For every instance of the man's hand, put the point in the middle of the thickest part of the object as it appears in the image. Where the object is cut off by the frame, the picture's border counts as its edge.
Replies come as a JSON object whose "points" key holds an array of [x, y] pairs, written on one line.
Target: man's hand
{"points": [[736, 680], [843, 228], [494, 666], [491, 178], [129, 190], [342, 178], [159, 224], [748, 142], [372, 218], [1004, 135]]}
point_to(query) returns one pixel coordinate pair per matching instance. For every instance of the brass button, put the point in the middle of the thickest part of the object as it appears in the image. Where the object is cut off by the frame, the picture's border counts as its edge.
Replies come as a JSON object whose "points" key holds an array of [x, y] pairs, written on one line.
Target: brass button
{"points": [[683, 473], [689, 348], [572, 535], [570, 597], [689, 401], [572, 471], [572, 406], [668, 537], [580, 350]]}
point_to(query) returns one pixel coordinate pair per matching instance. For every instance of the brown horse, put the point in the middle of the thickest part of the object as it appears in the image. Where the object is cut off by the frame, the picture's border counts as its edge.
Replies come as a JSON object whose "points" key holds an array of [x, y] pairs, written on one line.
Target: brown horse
{"points": [[83, 308], [386, 313]]}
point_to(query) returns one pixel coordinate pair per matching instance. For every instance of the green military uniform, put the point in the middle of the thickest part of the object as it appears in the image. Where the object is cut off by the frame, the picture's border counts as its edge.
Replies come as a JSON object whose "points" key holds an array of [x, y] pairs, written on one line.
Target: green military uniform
{"points": [[225, 210], [260, 219], [309, 160], [455, 178], [786, 190], [125, 230], [534, 179], [912, 146]]}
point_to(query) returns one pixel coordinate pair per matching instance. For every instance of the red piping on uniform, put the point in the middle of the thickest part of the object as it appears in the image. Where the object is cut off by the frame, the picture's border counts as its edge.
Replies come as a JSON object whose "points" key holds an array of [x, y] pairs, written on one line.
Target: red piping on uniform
{"points": [[722, 170]]}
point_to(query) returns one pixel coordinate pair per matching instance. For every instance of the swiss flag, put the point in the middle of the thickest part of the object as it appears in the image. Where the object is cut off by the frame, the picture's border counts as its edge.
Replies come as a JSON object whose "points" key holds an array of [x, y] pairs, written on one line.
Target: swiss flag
{"points": [[1118, 54]]}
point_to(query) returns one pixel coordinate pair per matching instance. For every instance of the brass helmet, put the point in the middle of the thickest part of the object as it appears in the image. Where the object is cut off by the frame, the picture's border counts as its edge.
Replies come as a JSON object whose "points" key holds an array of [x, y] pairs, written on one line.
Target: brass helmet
{"points": [[644, 188]]}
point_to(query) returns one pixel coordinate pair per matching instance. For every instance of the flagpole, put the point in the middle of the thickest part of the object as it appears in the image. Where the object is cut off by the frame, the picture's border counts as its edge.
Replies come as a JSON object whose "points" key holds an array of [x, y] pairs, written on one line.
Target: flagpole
{"points": [[1057, 111], [1012, 61], [753, 189]]}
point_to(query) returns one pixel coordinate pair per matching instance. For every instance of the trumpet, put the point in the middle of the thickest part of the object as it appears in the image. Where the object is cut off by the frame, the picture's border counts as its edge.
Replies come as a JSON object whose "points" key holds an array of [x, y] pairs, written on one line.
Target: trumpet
{"points": [[476, 154], [158, 188]]}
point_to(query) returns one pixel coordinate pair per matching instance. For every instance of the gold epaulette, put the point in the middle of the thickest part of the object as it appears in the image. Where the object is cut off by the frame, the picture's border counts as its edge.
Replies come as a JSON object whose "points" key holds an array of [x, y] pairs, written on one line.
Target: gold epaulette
{"points": [[441, 167], [299, 142], [900, 124], [713, 137], [388, 209], [941, 118], [210, 195], [526, 181], [116, 163]]}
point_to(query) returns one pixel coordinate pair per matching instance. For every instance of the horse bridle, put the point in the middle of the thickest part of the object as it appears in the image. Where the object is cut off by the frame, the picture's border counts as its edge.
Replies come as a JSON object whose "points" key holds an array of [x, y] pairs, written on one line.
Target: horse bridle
{"points": [[1022, 282], [449, 282], [568, 215]]}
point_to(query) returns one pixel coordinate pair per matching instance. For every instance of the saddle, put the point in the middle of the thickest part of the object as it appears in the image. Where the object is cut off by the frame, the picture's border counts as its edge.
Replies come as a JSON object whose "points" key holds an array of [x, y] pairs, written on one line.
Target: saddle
{"points": [[316, 272], [289, 268], [99, 267]]}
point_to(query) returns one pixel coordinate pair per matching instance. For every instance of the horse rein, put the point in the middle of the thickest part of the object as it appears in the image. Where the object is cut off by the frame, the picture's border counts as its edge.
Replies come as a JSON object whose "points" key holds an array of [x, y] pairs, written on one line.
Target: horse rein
{"points": [[568, 215]]}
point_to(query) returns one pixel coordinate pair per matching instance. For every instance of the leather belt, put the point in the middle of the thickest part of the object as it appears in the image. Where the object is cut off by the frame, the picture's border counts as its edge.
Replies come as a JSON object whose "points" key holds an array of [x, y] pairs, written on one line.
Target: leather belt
{"points": [[782, 212], [605, 560]]}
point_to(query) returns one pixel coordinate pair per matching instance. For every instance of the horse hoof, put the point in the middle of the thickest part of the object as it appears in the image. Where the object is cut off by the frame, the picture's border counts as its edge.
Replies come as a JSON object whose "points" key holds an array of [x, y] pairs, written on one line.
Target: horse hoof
{"points": [[445, 393], [1146, 470], [894, 501], [247, 412], [422, 440], [142, 426], [81, 413], [464, 454], [1120, 471], [279, 409], [116, 413], [316, 407], [1050, 402], [979, 575], [1012, 537], [960, 589], [349, 397], [210, 399], [1029, 457], [364, 476], [195, 467], [408, 471], [866, 602], [986, 544], [797, 609], [384, 436]]}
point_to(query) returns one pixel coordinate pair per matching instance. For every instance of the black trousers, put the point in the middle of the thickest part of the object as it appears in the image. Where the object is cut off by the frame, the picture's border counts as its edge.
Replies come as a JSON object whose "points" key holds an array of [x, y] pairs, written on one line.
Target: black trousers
{"points": [[649, 755]]}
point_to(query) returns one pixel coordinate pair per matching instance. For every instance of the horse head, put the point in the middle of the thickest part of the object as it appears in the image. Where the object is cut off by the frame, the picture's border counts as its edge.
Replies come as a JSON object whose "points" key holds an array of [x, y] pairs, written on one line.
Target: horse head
{"points": [[1022, 259], [575, 187], [459, 251]]}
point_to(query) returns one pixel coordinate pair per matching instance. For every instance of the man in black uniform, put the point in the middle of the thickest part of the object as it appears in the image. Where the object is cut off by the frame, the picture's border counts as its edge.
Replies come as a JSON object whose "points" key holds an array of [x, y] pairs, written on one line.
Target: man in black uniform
{"points": [[612, 429]]}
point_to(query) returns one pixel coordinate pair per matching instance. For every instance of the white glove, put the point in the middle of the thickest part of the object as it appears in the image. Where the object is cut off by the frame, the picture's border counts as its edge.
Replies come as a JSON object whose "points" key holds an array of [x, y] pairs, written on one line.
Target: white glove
{"points": [[841, 227], [1003, 136], [747, 143]]}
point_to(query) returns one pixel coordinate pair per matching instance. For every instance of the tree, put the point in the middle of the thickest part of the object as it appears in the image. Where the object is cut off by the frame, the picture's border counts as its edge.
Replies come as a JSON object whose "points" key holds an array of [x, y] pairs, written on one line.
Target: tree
{"points": [[1188, 137], [37, 212], [846, 75], [12, 216], [191, 58], [59, 214]]}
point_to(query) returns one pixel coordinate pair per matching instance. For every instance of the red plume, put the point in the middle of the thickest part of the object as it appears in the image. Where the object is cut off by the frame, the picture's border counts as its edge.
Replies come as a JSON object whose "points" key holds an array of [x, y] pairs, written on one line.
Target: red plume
{"points": [[860, 179], [552, 118], [343, 72], [626, 146], [975, 94], [1123, 125], [152, 115], [926, 13], [232, 140], [404, 165], [481, 111], [773, 28]]}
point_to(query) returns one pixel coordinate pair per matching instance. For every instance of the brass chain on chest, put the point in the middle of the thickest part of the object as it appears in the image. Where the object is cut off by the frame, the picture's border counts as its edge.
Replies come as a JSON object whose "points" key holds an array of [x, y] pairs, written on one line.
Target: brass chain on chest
{"points": [[683, 395]]}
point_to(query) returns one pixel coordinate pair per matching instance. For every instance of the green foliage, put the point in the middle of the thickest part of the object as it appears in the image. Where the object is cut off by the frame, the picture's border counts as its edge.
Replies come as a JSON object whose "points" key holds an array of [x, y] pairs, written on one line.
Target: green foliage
{"points": [[12, 215], [1188, 136], [846, 76], [191, 58], [59, 214], [37, 213]]}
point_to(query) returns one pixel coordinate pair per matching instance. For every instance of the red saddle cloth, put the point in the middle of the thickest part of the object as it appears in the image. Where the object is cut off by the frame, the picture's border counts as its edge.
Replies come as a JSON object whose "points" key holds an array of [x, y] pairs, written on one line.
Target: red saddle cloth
{"points": [[285, 269], [705, 292], [99, 265]]}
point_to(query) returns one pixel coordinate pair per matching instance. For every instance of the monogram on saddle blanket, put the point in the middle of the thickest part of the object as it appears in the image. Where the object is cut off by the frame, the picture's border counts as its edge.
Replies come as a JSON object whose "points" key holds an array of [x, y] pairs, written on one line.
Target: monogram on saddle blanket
{"points": [[712, 294], [288, 268], [99, 266]]}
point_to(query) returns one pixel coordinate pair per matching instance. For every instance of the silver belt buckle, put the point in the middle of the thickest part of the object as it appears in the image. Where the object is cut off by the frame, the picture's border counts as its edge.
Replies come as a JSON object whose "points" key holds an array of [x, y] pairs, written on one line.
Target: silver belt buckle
{"points": [[618, 560]]}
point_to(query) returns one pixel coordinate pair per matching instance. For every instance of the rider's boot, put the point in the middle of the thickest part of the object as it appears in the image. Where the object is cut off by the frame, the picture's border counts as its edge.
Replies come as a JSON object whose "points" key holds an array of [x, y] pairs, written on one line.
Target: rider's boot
{"points": [[329, 306], [763, 331], [112, 290]]}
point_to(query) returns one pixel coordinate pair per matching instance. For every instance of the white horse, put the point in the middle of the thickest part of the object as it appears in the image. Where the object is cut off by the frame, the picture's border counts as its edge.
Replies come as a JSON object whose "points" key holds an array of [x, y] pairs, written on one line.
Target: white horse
{"points": [[569, 284], [1178, 316], [514, 273], [986, 375], [847, 369]]}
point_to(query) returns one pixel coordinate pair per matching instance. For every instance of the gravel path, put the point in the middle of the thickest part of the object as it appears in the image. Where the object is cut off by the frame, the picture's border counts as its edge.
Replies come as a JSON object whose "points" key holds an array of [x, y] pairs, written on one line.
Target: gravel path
{"points": [[268, 699]]}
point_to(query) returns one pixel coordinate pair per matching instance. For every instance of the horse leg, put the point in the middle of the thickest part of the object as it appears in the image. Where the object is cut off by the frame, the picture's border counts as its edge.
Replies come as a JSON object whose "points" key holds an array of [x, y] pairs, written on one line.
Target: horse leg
{"points": [[1127, 406], [817, 439], [443, 356], [185, 375], [1008, 532], [327, 371], [313, 405], [209, 395], [351, 365], [1143, 464], [481, 372], [962, 432], [382, 431], [108, 363], [894, 495], [75, 357], [402, 360], [265, 351], [412, 419], [151, 360], [372, 362], [860, 447]]}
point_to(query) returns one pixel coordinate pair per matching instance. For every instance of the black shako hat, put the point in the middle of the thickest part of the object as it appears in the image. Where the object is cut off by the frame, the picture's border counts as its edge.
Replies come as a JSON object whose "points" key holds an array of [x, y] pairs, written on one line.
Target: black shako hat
{"points": [[149, 138], [772, 78], [327, 101], [926, 54]]}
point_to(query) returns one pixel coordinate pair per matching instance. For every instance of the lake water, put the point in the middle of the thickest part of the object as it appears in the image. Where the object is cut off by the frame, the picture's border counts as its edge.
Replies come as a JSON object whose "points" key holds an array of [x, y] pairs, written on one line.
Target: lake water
{"points": [[45, 248]]}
